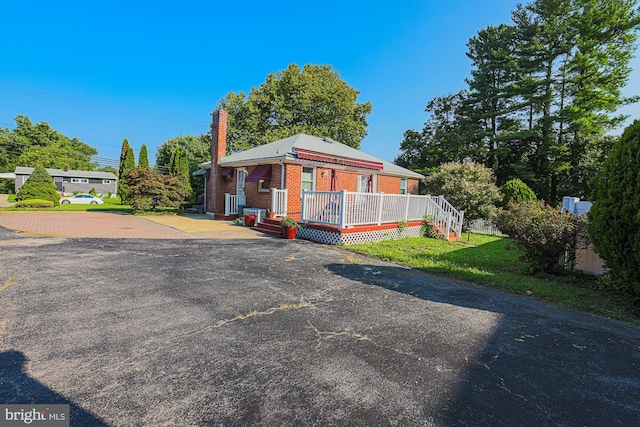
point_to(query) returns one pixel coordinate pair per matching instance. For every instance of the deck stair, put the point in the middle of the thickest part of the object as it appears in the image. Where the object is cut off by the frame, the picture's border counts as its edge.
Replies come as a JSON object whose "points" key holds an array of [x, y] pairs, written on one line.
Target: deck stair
{"points": [[270, 226], [439, 226]]}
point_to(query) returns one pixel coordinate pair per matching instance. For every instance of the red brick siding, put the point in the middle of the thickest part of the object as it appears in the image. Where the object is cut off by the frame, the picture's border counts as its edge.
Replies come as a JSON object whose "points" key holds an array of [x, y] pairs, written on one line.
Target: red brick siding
{"points": [[293, 179], [413, 186], [323, 183], [388, 184], [391, 185], [347, 181]]}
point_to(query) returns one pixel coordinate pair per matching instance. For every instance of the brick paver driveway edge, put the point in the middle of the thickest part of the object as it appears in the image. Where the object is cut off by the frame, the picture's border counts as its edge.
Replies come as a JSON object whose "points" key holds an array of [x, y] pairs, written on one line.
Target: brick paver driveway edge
{"points": [[96, 225]]}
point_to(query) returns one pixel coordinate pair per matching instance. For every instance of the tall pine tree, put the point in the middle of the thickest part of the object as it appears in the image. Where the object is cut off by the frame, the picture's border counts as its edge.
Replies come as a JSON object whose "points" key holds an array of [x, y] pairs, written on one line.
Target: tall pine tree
{"points": [[542, 96]]}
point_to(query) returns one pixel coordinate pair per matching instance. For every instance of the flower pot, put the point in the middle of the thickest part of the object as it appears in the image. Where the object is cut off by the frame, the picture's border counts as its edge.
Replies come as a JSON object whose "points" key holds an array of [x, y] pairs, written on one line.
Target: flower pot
{"points": [[249, 220], [290, 232], [636, 307], [271, 215]]}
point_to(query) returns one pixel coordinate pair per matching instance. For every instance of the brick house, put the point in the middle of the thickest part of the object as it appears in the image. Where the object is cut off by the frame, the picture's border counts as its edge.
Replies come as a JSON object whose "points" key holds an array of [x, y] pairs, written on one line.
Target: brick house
{"points": [[300, 162], [342, 195]]}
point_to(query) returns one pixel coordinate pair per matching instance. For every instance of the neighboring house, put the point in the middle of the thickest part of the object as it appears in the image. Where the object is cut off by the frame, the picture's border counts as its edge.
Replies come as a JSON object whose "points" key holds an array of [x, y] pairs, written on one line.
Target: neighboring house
{"points": [[70, 181], [311, 179]]}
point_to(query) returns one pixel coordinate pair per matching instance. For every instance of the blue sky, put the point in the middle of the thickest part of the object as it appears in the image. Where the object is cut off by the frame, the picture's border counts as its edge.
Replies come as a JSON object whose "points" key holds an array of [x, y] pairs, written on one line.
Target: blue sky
{"points": [[149, 71]]}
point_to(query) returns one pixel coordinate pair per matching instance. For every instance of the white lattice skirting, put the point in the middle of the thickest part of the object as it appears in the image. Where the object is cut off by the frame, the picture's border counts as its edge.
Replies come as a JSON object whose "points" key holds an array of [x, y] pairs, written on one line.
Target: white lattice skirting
{"points": [[335, 238]]}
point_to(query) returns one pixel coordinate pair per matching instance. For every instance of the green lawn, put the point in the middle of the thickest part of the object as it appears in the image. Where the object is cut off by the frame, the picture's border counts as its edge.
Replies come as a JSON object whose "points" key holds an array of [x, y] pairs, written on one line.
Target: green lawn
{"points": [[489, 260], [110, 205]]}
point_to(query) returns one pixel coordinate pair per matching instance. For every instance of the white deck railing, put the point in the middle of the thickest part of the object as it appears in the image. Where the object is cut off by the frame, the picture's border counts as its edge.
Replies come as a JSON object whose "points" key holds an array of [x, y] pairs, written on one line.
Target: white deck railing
{"points": [[231, 202], [456, 217], [346, 209], [279, 202]]}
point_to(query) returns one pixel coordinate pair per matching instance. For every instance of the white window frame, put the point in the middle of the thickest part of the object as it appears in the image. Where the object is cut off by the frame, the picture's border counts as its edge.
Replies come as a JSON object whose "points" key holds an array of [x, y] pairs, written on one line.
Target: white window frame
{"points": [[262, 188], [404, 189], [313, 178], [79, 180], [107, 181]]}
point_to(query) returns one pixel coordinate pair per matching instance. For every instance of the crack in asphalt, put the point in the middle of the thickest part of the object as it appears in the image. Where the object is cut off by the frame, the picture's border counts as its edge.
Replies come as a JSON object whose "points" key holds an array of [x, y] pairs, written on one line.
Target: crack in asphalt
{"points": [[223, 322], [324, 335]]}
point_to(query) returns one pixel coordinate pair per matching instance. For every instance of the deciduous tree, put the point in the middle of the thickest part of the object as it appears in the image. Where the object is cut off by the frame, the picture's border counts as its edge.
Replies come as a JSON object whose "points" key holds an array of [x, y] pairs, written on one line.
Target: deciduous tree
{"points": [[312, 100], [467, 186], [29, 144], [149, 189]]}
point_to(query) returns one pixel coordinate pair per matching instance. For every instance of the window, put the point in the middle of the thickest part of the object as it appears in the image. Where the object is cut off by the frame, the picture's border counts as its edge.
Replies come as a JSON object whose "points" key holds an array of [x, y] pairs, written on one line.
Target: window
{"points": [[363, 184], [263, 186], [106, 181], [80, 180], [308, 179], [403, 186]]}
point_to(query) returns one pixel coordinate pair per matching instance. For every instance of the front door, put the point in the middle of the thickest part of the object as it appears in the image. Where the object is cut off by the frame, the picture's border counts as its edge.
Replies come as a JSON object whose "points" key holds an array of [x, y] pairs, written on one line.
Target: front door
{"points": [[242, 174]]}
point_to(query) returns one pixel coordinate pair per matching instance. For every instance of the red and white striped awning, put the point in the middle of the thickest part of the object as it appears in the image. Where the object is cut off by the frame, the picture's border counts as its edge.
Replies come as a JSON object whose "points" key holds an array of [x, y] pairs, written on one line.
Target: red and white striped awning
{"points": [[328, 158]]}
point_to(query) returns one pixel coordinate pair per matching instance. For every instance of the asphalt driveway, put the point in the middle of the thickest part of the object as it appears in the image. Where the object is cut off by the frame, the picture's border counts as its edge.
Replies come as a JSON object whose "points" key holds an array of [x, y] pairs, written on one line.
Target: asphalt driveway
{"points": [[270, 332]]}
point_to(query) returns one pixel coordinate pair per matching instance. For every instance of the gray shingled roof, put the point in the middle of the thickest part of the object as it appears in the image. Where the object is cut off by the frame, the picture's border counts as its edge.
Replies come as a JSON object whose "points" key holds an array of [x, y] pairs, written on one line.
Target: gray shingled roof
{"points": [[286, 148], [21, 170]]}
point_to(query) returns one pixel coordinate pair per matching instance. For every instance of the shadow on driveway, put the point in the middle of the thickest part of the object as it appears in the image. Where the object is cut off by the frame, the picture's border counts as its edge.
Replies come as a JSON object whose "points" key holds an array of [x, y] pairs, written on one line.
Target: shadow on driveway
{"points": [[542, 365], [16, 387]]}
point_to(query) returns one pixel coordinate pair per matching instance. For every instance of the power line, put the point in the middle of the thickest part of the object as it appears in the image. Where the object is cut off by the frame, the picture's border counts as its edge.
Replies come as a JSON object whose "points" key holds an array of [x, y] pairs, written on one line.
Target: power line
{"points": [[58, 98]]}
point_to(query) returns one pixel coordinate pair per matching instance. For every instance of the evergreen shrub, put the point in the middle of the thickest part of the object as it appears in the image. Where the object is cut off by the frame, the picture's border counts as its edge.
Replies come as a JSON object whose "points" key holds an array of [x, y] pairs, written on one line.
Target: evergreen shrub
{"points": [[39, 186], [516, 190], [614, 218], [34, 203]]}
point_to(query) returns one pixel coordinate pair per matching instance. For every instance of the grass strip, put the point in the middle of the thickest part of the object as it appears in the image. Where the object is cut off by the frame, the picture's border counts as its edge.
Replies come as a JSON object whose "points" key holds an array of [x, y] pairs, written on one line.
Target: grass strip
{"points": [[493, 261]]}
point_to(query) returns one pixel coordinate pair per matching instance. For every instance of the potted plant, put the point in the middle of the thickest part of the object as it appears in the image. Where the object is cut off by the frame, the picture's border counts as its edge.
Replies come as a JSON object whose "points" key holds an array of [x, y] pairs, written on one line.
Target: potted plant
{"points": [[290, 227], [249, 220]]}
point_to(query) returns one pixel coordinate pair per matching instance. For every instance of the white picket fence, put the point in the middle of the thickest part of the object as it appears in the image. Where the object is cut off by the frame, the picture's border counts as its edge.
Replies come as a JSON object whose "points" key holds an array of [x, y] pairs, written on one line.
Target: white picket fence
{"points": [[347, 209], [484, 226]]}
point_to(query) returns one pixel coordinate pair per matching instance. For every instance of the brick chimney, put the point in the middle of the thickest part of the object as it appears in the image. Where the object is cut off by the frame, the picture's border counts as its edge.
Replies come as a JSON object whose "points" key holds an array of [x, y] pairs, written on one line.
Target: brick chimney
{"points": [[215, 195]]}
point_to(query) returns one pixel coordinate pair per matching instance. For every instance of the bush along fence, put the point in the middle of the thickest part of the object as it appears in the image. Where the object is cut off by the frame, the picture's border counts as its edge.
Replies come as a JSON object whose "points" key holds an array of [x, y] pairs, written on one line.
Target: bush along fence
{"points": [[546, 236]]}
